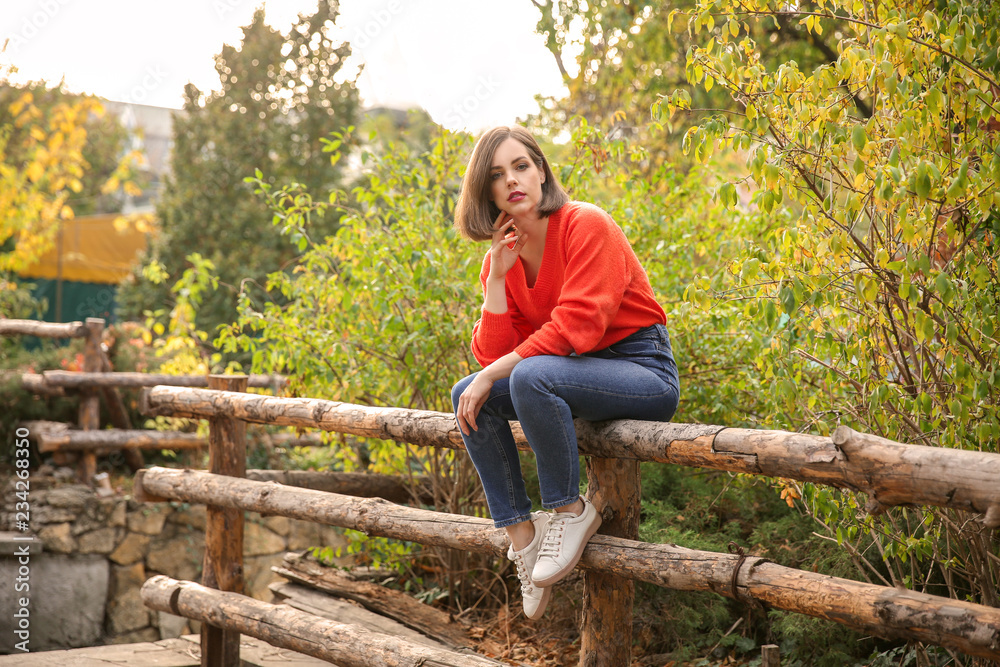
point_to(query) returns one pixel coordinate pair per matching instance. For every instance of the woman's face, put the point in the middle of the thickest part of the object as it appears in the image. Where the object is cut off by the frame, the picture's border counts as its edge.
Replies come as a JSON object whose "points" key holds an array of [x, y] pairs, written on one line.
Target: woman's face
{"points": [[515, 181]]}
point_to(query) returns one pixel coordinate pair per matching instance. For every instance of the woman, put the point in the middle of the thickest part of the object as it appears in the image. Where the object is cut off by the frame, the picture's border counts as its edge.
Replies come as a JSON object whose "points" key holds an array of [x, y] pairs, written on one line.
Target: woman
{"points": [[569, 328]]}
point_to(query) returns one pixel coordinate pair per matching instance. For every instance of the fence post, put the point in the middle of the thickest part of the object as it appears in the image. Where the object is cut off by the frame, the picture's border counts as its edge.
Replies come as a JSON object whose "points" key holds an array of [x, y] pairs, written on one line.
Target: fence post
{"points": [[614, 488], [770, 656], [223, 568], [119, 415], [90, 401]]}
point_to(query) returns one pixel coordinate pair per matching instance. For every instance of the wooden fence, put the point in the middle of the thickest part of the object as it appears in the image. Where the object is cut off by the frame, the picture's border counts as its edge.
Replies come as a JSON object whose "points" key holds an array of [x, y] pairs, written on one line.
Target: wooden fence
{"points": [[96, 381], [890, 473]]}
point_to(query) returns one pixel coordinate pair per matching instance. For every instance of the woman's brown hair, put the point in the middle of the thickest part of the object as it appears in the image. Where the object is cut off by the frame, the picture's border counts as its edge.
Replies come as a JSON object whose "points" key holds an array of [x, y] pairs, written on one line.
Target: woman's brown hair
{"points": [[476, 212]]}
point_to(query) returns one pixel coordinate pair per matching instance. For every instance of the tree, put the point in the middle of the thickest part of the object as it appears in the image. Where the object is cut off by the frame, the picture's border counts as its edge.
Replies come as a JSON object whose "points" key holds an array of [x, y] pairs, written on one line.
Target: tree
{"points": [[618, 56], [103, 149], [874, 285], [280, 96], [41, 163], [57, 153]]}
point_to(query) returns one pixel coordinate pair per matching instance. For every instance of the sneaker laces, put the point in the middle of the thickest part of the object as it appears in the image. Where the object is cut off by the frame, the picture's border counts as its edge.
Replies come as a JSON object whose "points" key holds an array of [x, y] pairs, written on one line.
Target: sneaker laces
{"points": [[522, 573], [553, 538]]}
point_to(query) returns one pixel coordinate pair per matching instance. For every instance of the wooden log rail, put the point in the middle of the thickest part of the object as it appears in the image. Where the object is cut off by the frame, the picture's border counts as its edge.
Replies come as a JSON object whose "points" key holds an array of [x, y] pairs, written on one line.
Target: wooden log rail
{"points": [[95, 360], [10, 327], [890, 473], [398, 489], [36, 384], [282, 626], [116, 440], [883, 611], [74, 380]]}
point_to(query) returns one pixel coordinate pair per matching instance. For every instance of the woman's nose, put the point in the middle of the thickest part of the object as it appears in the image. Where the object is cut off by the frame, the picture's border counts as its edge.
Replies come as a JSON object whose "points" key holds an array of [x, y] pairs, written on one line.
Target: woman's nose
{"points": [[511, 179]]}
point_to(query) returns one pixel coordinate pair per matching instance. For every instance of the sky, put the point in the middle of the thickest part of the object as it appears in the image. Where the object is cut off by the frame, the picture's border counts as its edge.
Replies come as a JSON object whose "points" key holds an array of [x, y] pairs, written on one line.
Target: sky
{"points": [[471, 64]]}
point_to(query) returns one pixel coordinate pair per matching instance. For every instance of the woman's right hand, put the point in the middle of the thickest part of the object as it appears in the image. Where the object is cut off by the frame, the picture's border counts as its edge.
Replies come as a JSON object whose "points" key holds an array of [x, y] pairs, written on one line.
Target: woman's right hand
{"points": [[471, 401], [506, 246]]}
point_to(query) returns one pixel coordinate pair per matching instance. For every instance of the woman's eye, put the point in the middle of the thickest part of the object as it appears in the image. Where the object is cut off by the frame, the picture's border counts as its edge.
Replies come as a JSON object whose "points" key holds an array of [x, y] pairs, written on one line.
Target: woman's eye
{"points": [[522, 166], [495, 175]]}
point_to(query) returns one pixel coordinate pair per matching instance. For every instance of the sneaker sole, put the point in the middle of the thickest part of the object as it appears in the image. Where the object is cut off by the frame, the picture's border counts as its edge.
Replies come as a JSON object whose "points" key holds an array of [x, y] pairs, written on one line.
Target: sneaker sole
{"points": [[541, 605], [559, 575]]}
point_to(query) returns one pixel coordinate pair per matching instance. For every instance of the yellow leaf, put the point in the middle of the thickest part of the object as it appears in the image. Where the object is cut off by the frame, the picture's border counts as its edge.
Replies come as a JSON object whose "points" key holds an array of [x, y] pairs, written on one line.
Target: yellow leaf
{"points": [[34, 172], [66, 213]]}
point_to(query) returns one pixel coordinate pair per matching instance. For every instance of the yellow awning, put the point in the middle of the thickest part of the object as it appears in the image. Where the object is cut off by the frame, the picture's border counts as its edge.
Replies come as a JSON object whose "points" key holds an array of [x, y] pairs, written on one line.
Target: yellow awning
{"points": [[93, 251]]}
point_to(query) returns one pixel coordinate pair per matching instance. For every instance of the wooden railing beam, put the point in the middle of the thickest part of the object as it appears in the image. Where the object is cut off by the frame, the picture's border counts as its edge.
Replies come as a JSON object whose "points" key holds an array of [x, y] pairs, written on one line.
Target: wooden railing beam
{"points": [[285, 627], [886, 612], [77, 380], [10, 327], [890, 473]]}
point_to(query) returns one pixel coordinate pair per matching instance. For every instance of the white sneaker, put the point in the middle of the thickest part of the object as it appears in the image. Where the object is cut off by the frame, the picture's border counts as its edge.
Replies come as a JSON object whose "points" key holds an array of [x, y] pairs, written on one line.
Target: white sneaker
{"points": [[565, 537], [534, 597]]}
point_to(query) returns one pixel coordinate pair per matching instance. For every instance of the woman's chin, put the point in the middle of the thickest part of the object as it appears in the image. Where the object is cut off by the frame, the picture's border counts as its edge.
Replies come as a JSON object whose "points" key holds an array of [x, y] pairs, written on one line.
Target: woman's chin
{"points": [[518, 209]]}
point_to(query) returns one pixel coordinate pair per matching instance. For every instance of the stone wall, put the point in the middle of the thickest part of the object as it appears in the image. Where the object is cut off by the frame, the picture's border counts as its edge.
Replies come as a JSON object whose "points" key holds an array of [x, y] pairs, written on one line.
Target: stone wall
{"points": [[95, 553]]}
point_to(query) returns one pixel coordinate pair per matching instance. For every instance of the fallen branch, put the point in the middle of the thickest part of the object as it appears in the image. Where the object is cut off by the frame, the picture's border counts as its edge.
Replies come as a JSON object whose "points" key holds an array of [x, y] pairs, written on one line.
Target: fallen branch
{"points": [[396, 605]]}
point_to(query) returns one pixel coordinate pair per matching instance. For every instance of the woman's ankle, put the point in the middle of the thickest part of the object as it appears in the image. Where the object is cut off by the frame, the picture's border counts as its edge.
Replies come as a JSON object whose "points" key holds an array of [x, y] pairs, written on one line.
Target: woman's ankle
{"points": [[576, 507], [521, 534]]}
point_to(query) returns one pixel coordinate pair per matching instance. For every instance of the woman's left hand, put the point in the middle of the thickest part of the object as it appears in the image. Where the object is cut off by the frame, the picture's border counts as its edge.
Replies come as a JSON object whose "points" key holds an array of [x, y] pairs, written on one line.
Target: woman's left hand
{"points": [[471, 401]]}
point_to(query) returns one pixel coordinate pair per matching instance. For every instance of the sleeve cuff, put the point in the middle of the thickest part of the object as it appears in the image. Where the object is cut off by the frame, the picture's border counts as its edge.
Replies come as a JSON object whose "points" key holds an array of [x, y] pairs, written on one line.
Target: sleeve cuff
{"points": [[526, 349], [496, 326]]}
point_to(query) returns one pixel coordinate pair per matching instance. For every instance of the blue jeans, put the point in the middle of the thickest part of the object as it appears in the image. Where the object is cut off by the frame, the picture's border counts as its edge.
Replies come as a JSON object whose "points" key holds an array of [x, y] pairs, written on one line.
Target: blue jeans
{"points": [[636, 378]]}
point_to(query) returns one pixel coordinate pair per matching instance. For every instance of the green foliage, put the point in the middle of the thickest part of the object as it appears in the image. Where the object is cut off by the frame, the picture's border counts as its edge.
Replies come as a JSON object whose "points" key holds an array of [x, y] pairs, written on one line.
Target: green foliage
{"points": [[16, 403], [617, 56], [126, 349], [813, 642], [869, 271], [395, 273], [17, 300], [280, 96], [706, 510], [681, 237], [379, 313]]}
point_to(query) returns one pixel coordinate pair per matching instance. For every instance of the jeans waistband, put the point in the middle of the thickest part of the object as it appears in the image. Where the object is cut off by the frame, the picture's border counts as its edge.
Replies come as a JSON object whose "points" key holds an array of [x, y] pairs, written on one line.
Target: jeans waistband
{"points": [[652, 332]]}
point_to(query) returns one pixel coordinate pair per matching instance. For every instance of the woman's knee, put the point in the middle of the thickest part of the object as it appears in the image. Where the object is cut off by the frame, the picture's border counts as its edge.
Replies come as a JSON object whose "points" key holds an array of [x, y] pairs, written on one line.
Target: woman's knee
{"points": [[529, 376]]}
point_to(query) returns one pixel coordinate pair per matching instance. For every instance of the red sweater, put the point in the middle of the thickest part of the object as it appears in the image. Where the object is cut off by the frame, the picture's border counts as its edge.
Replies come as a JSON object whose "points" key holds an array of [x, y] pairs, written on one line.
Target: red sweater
{"points": [[590, 292]]}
